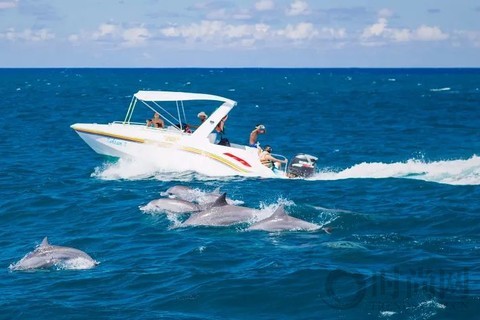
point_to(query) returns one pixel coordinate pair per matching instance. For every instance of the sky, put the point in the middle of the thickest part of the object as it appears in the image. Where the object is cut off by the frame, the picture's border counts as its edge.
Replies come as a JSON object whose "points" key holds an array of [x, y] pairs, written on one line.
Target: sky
{"points": [[234, 33]]}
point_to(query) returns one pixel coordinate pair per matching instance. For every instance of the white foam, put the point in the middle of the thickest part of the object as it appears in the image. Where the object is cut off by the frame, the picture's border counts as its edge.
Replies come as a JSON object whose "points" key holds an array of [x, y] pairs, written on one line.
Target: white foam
{"points": [[174, 219], [78, 263], [175, 167], [454, 172], [441, 89], [387, 313], [125, 169]]}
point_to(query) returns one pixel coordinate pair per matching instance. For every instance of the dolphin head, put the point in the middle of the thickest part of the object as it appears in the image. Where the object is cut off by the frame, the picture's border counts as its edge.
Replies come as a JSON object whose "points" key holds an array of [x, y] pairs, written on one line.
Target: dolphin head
{"points": [[281, 221]]}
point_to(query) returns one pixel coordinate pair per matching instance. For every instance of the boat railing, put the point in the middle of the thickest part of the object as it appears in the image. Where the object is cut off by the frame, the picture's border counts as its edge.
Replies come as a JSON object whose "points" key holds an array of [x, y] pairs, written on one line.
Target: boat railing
{"points": [[143, 124], [281, 157], [130, 123]]}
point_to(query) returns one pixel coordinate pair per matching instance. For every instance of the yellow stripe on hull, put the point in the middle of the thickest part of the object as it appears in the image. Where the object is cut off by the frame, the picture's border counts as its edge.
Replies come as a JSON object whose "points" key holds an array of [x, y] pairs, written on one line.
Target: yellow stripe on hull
{"points": [[111, 135]]}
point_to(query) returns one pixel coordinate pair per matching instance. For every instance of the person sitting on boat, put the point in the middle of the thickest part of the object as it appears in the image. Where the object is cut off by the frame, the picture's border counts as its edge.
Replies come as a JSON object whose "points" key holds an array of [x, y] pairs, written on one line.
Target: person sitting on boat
{"points": [[259, 129], [268, 160], [156, 122], [202, 116]]}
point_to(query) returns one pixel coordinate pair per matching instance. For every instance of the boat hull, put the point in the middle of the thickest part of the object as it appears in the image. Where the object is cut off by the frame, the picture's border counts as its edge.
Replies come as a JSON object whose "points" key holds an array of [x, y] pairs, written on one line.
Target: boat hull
{"points": [[172, 150]]}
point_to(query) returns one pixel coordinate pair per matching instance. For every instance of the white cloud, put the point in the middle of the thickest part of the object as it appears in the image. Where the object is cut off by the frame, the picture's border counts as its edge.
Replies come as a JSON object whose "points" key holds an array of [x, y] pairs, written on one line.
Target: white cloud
{"points": [[298, 7], [332, 33], [473, 37], [8, 4], [27, 35], [219, 32], [401, 35], [379, 33], [426, 33], [114, 34], [301, 31], [264, 5], [105, 30], [376, 29], [135, 36]]}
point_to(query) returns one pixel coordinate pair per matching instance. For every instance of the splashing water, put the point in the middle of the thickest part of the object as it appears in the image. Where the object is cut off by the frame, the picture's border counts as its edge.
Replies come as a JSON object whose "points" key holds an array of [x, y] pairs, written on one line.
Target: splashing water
{"points": [[454, 172]]}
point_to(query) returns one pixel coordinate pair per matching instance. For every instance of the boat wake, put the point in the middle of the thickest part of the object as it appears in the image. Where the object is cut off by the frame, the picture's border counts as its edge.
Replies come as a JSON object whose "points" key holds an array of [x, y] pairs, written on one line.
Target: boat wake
{"points": [[453, 172], [175, 170]]}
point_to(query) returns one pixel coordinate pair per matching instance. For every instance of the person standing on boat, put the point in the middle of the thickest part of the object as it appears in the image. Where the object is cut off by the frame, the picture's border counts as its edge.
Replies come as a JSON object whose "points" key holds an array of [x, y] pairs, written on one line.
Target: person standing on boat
{"points": [[220, 131], [268, 160], [259, 129]]}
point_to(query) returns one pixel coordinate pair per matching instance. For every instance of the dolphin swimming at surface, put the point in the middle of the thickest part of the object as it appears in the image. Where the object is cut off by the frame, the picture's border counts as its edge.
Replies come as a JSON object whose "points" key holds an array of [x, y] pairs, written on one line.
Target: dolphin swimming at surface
{"points": [[47, 255], [172, 205], [220, 213], [182, 192], [193, 195], [281, 221]]}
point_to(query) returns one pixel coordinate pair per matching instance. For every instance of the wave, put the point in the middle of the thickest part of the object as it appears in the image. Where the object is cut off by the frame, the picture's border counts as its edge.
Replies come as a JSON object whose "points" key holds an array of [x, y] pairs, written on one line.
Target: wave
{"points": [[453, 172], [140, 169], [440, 89]]}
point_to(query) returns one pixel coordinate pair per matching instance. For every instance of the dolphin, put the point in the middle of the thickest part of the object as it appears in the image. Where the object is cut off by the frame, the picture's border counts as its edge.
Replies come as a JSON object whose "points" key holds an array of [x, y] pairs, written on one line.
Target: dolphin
{"points": [[220, 213], [281, 221], [46, 256], [204, 199], [172, 205]]}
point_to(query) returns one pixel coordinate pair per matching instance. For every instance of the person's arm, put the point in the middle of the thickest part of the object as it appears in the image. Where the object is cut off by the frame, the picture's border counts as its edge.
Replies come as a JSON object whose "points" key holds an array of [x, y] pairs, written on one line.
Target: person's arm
{"points": [[221, 124], [272, 158], [253, 137]]}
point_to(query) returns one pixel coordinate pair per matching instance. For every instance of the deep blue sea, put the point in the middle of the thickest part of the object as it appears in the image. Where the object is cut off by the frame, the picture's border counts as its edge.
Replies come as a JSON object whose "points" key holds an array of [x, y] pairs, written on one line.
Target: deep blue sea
{"points": [[398, 183]]}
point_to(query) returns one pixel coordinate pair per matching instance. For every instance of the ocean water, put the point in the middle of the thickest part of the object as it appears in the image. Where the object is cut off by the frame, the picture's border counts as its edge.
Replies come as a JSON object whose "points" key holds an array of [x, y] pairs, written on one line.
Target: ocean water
{"points": [[398, 182]]}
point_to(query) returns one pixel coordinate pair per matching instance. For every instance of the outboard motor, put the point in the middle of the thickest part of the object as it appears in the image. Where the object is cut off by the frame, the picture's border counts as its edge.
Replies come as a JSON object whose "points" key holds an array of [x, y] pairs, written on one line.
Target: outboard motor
{"points": [[302, 165]]}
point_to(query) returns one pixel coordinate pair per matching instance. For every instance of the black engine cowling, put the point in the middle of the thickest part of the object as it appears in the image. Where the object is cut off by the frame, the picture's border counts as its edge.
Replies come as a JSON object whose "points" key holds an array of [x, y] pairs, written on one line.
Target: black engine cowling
{"points": [[302, 165]]}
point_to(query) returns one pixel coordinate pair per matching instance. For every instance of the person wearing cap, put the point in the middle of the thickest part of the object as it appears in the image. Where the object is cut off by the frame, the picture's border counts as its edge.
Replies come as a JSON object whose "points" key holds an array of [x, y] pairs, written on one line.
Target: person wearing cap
{"points": [[202, 116], [259, 129], [268, 160]]}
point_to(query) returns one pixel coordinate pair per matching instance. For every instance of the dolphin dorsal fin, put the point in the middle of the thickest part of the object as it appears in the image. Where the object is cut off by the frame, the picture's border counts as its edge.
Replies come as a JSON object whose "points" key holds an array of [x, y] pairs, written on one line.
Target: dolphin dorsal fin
{"points": [[221, 201], [44, 242], [279, 212]]}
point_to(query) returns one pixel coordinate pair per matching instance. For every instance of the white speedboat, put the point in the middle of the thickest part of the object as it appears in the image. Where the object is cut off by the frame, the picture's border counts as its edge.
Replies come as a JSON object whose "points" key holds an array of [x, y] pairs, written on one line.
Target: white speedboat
{"points": [[173, 147]]}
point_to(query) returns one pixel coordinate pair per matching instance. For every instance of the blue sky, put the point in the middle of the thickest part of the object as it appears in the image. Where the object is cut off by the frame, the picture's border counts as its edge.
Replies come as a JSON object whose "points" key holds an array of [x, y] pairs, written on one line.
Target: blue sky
{"points": [[249, 33]]}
